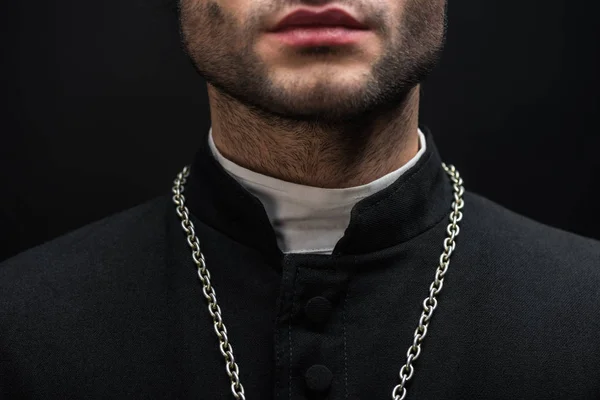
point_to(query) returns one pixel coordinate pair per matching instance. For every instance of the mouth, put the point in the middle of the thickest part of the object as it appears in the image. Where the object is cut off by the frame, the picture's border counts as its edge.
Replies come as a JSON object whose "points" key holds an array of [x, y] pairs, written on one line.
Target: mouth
{"points": [[319, 36], [328, 28], [331, 17]]}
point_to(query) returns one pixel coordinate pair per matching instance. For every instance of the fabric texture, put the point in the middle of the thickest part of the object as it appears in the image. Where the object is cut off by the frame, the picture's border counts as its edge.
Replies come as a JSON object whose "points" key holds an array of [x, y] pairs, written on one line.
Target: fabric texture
{"points": [[115, 309]]}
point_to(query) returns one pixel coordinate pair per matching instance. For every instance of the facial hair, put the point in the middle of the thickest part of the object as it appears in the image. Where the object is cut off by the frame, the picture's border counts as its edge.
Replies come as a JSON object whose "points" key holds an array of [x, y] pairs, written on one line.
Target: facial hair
{"points": [[223, 52]]}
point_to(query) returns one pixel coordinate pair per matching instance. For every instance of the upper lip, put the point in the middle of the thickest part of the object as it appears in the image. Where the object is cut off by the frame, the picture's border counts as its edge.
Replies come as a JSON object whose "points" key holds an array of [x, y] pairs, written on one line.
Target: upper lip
{"points": [[329, 17]]}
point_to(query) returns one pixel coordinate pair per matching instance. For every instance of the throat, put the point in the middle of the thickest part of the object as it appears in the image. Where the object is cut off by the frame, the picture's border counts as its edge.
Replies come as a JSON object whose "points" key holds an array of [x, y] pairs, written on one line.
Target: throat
{"points": [[308, 219]]}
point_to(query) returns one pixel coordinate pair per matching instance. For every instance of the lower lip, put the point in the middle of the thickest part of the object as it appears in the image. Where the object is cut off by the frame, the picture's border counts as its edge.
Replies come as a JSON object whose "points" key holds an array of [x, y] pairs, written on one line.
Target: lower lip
{"points": [[319, 36]]}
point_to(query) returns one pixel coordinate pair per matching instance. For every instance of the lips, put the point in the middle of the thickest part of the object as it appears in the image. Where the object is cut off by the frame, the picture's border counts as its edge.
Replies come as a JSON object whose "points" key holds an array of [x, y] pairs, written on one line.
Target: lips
{"points": [[331, 17]]}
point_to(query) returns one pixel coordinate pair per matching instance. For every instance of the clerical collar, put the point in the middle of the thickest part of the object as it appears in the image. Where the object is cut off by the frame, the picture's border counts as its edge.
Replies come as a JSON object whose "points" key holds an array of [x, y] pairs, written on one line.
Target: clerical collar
{"points": [[416, 201], [307, 219]]}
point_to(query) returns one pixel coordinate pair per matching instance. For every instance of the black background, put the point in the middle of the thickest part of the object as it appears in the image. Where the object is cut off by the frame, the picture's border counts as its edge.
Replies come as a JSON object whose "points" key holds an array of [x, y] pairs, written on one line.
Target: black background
{"points": [[101, 109]]}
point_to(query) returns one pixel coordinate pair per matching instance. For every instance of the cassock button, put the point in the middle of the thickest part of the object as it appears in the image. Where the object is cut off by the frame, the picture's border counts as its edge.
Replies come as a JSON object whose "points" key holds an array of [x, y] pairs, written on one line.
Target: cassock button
{"points": [[318, 378], [318, 309]]}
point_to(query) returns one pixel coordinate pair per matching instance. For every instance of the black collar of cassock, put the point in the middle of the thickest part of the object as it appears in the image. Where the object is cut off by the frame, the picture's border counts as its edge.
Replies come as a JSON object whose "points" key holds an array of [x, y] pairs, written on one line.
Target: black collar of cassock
{"points": [[414, 203]]}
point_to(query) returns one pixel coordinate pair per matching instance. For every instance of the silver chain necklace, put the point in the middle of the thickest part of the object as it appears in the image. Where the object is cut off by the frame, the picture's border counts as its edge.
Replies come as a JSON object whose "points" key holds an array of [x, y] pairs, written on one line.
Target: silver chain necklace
{"points": [[429, 304]]}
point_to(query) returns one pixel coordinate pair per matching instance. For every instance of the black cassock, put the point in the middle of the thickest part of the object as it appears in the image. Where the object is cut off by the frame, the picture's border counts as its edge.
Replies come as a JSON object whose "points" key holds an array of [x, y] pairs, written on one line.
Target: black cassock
{"points": [[115, 309]]}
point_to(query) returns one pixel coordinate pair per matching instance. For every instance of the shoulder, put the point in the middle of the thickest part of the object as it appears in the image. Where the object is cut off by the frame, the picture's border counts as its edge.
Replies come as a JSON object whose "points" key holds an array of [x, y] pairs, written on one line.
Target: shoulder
{"points": [[62, 300], [89, 252], [504, 236], [532, 291]]}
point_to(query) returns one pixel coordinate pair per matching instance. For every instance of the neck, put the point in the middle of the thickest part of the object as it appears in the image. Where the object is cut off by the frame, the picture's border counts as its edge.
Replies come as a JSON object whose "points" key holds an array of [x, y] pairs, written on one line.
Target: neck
{"points": [[316, 154]]}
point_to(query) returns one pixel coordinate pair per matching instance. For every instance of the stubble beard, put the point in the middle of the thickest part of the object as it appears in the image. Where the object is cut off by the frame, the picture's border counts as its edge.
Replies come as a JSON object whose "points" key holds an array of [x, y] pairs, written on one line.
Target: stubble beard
{"points": [[224, 55]]}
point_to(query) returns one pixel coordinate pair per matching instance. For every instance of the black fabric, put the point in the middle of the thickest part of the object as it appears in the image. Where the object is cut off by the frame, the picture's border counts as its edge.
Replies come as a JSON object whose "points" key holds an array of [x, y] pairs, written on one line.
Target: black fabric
{"points": [[115, 309]]}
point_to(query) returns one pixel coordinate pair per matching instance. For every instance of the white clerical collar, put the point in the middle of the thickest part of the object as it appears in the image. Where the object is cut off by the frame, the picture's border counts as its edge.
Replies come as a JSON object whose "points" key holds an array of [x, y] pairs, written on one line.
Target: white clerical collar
{"points": [[307, 219]]}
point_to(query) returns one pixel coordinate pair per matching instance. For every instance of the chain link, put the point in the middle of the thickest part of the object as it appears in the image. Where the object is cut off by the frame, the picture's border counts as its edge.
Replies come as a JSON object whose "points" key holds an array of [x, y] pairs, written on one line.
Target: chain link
{"points": [[429, 304], [231, 366]]}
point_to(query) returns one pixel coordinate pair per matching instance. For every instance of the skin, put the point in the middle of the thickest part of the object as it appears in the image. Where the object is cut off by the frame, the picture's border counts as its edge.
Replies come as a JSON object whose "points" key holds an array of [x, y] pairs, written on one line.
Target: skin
{"points": [[331, 117]]}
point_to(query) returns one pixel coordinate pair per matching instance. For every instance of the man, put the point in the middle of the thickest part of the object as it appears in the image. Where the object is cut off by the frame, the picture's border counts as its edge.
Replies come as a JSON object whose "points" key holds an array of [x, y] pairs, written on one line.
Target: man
{"points": [[316, 248]]}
